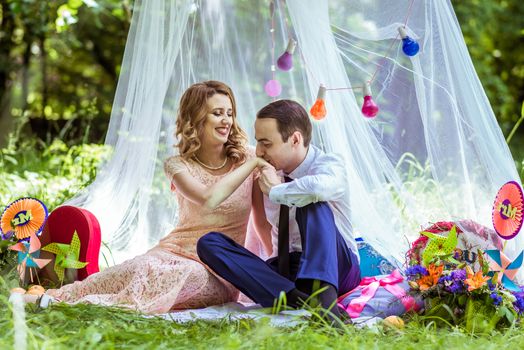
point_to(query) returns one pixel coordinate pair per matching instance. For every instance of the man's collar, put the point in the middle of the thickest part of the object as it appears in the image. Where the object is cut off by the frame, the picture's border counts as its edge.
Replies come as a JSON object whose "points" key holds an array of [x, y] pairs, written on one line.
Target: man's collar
{"points": [[302, 169]]}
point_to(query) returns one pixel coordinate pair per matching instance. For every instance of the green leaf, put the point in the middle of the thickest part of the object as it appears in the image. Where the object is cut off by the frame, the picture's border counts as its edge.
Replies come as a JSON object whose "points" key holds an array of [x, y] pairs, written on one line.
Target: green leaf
{"points": [[10, 159], [66, 10], [510, 316], [462, 299], [74, 4]]}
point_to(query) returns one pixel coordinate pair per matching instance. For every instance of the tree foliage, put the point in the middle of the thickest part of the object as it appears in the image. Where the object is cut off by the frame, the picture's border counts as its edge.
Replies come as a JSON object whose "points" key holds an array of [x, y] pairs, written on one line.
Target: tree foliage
{"points": [[494, 34], [59, 66]]}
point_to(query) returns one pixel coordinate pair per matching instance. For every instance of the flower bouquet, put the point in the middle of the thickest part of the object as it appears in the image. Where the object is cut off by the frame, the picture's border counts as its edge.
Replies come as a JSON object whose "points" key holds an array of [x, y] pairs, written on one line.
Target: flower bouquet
{"points": [[458, 290]]}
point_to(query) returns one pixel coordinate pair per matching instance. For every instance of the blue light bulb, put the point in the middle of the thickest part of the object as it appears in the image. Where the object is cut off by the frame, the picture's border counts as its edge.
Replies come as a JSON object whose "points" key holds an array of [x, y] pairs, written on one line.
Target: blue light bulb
{"points": [[409, 46]]}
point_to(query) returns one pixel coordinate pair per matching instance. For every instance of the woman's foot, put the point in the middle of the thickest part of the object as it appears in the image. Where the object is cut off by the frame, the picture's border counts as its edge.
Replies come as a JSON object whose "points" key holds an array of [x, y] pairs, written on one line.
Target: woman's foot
{"points": [[35, 295], [26, 297]]}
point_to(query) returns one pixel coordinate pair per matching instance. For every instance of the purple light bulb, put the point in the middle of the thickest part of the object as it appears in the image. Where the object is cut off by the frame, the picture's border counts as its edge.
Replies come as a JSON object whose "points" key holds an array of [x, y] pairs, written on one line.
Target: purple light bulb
{"points": [[285, 61]]}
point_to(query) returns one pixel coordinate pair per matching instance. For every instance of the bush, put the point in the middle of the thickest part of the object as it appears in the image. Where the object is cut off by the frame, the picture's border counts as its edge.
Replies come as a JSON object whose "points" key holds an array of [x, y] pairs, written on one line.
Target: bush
{"points": [[51, 173]]}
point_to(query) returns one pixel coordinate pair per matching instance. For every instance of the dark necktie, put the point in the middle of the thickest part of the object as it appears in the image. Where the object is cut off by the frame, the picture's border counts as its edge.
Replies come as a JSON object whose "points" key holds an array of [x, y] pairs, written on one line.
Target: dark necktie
{"points": [[283, 238]]}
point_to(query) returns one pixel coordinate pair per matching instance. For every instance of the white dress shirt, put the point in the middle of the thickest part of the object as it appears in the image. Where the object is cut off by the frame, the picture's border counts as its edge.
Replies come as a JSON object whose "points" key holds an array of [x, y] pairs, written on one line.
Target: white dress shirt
{"points": [[321, 177]]}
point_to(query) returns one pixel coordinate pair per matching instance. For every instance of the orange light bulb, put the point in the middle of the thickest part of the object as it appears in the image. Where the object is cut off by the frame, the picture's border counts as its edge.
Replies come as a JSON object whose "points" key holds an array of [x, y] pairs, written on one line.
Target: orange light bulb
{"points": [[318, 111]]}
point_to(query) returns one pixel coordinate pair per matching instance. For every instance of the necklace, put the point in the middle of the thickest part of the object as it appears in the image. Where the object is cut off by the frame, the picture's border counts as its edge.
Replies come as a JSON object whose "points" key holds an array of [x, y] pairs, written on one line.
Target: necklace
{"points": [[210, 167]]}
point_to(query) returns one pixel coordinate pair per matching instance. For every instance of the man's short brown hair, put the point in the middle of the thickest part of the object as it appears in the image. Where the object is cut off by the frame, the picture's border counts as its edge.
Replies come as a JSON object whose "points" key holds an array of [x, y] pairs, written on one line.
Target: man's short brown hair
{"points": [[290, 117]]}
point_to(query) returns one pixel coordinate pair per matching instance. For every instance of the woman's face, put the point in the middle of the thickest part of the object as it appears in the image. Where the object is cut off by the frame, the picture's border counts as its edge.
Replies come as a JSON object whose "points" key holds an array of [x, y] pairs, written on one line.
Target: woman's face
{"points": [[218, 121]]}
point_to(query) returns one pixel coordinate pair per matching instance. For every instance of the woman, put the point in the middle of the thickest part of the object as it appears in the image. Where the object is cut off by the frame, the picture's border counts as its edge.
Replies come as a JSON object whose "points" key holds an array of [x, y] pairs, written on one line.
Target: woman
{"points": [[214, 182]]}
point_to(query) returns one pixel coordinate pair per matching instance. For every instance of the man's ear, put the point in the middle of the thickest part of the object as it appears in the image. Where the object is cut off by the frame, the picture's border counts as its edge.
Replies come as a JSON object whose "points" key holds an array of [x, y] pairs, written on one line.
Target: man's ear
{"points": [[296, 138]]}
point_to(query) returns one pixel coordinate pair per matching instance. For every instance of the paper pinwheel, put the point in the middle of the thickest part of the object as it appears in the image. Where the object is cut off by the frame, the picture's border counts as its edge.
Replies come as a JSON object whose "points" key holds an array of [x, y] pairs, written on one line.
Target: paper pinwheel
{"points": [[506, 269], [67, 256], [507, 210], [29, 255], [439, 245], [24, 217]]}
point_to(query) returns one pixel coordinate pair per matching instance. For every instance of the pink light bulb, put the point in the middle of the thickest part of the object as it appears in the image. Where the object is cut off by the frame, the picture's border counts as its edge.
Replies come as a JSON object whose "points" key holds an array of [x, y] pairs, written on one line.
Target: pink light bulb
{"points": [[285, 61], [273, 88], [369, 107]]}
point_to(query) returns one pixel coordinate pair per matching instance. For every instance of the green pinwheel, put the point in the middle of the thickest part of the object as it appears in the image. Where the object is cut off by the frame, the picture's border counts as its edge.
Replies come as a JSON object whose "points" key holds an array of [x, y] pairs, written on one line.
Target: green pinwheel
{"points": [[67, 256], [439, 245]]}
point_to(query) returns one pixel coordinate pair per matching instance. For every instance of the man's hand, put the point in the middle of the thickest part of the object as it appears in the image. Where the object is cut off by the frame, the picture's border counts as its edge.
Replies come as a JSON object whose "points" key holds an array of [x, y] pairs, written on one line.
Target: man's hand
{"points": [[268, 178]]}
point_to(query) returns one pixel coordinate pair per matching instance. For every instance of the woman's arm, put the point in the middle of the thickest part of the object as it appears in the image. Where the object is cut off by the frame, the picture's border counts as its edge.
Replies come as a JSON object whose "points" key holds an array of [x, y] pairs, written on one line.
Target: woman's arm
{"points": [[211, 196], [262, 226]]}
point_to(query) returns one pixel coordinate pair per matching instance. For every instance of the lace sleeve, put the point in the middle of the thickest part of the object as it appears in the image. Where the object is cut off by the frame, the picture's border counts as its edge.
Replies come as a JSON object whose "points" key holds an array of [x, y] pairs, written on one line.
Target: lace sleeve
{"points": [[173, 166]]}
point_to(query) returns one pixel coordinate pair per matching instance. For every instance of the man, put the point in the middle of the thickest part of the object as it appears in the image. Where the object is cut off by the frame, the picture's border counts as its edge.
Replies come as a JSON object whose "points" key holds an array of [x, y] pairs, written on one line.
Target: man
{"points": [[320, 253]]}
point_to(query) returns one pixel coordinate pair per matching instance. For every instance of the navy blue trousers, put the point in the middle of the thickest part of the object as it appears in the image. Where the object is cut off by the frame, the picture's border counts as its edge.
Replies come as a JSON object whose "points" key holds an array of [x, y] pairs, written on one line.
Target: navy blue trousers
{"points": [[325, 257]]}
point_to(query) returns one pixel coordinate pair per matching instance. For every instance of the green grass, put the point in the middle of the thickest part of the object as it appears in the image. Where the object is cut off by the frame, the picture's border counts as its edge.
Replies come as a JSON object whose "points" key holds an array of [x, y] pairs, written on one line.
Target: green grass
{"points": [[95, 327]]}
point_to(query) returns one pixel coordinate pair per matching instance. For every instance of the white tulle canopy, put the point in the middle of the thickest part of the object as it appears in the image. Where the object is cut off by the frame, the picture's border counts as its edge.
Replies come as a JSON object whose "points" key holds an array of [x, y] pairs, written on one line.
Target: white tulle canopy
{"points": [[434, 151]]}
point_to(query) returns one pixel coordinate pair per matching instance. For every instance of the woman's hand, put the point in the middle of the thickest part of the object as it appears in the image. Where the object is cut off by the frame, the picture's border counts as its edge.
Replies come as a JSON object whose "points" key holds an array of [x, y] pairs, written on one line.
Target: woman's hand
{"points": [[268, 178], [262, 163]]}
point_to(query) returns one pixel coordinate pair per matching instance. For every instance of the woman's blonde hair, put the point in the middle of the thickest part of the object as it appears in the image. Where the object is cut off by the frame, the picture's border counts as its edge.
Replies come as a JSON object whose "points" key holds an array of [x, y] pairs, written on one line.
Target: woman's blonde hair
{"points": [[192, 115]]}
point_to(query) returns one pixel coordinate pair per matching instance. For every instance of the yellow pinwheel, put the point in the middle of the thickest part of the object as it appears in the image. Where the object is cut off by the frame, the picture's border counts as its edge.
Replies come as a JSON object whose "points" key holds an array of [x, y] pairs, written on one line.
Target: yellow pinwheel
{"points": [[67, 256], [439, 245]]}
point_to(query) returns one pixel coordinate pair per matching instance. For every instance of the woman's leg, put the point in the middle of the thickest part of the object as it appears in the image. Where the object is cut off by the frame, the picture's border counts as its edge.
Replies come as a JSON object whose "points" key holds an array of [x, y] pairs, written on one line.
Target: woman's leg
{"points": [[155, 282]]}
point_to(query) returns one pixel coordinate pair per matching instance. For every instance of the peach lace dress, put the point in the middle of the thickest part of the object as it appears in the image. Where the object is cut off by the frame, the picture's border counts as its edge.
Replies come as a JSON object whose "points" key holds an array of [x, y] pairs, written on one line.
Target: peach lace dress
{"points": [[170, 276]]}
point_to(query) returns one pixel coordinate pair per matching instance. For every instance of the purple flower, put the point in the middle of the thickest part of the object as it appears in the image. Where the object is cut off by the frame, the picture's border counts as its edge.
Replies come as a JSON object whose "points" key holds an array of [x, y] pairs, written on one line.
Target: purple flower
{"points": [[455, 287], [415, 270], [459, 275], [520, 293], [519, 304], [491, 286], [445, 280], [450, 284], [497, 299]]}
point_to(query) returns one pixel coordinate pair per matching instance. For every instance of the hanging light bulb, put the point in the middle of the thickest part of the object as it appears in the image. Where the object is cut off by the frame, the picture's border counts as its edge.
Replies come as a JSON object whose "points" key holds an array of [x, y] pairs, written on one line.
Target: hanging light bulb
{"points": [[409, 46], [369, 107], [318, 111], [285, 61], [273, 88]]}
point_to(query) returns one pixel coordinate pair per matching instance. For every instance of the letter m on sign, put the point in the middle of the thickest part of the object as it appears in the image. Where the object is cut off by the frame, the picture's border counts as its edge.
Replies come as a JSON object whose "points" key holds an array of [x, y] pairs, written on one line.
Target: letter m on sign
{"points": [[21, 218]]}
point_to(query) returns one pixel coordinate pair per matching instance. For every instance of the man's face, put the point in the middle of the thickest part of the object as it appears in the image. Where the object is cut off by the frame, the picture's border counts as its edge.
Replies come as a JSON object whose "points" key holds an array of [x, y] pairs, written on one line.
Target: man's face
{"points": [[270, 146]]}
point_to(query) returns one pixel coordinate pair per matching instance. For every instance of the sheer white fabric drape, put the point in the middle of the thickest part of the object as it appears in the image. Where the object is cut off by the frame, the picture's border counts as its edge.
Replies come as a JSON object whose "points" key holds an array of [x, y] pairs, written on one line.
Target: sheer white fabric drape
{"points": [[434, 152]]}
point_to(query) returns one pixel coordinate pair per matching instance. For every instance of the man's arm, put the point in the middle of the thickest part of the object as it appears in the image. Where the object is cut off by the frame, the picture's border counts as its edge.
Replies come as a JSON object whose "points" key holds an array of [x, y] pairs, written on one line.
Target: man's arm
{"points": [[326, 181]]}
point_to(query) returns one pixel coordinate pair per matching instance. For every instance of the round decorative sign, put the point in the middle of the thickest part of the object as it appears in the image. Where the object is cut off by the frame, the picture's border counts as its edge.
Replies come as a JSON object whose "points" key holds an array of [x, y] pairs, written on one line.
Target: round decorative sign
{"points": [[507, 210]]}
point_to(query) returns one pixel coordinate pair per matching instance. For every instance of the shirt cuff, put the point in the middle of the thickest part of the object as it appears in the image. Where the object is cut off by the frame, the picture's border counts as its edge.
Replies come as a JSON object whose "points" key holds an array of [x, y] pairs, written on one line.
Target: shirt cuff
{"points": [[277, 193]]}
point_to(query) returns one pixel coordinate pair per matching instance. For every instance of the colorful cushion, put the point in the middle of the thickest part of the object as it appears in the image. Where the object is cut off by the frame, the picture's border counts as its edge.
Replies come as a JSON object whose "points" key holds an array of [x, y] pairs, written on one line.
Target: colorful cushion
{"points": [[371, 262], [379, 297], [60, 227]]}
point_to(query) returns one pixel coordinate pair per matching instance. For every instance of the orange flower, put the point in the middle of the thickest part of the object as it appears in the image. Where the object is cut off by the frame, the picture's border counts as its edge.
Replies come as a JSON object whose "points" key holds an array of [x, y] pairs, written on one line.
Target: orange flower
{"points": [[434, 273], [475, 281]]}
